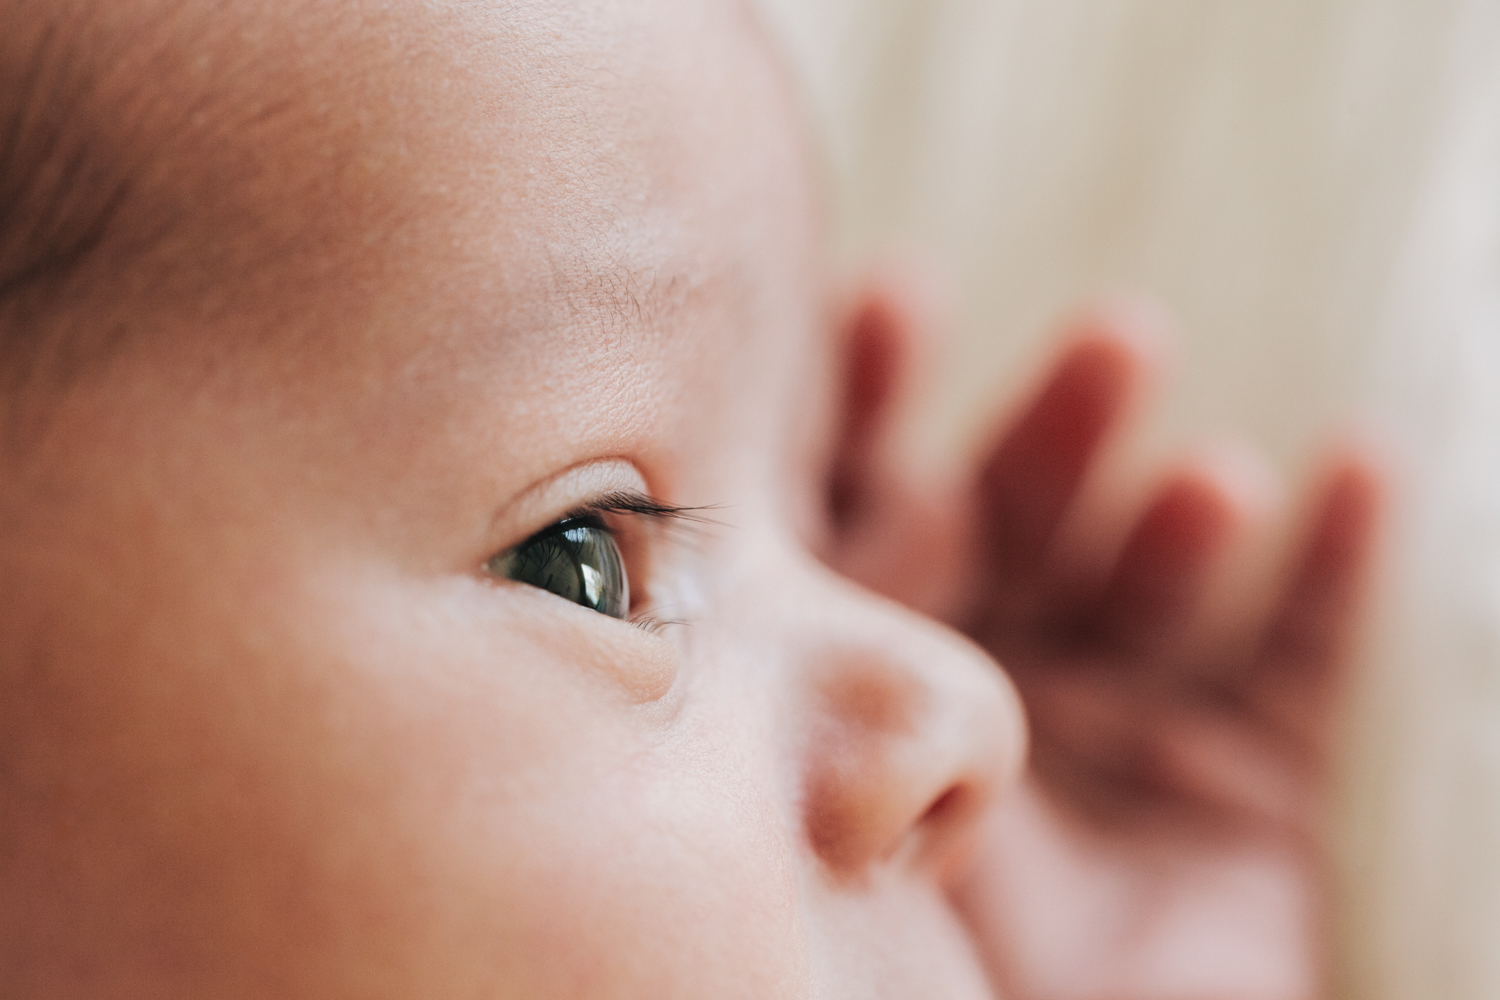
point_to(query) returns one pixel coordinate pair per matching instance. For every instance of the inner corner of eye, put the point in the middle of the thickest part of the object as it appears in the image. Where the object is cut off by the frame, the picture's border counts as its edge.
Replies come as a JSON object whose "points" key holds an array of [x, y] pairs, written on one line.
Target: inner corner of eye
{"points": [[501, 564]]}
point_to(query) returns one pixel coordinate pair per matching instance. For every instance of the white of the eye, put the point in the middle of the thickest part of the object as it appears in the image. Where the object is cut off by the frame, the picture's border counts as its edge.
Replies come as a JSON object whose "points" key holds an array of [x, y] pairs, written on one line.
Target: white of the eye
{"points": [[593, 581]]}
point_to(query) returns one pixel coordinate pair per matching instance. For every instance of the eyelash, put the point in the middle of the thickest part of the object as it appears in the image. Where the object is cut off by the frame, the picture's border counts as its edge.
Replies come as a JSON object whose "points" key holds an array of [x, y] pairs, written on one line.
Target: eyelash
{"points": [[631, 502]]}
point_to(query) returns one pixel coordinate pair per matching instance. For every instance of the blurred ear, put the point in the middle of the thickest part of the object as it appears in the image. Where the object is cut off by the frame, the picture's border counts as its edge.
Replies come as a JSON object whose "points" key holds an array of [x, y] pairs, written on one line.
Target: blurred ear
{"points": [[884, 508]]}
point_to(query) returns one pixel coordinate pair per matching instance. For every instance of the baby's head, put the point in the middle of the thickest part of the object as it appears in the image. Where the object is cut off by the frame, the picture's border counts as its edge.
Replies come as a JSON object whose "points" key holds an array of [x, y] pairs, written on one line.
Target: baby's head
{"points": [[353, 357]]}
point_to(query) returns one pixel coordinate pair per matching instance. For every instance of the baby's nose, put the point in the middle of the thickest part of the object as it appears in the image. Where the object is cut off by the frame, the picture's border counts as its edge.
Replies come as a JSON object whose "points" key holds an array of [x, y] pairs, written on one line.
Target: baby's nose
{"points": [[912, 733]]}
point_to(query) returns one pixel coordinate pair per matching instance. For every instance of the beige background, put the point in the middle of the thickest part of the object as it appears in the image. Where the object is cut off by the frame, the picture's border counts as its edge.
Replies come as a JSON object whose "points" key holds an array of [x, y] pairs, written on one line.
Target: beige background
{"points": [[1313, 187]]}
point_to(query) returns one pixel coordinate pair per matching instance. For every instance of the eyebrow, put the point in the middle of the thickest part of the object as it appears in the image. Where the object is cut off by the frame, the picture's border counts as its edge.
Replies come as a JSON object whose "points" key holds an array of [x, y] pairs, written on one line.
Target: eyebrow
{"points": [[640, 294]]}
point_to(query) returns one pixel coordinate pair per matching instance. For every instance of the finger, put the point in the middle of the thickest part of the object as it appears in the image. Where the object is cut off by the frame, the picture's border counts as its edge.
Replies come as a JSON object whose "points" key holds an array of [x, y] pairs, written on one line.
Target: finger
{"points": [[1033, 475], [1112, 745], [892, 335], [1307, 638], [1233, 766], [894, 520], [1177, 550]]}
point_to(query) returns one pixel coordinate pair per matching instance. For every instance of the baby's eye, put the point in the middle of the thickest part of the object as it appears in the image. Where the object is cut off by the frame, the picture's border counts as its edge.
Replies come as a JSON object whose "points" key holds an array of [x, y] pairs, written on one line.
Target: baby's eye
{"points": [[576, 559]]}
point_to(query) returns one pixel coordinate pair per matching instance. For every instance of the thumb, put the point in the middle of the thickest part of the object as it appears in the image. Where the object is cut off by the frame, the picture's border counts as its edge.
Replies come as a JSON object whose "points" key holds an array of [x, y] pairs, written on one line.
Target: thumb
{"points": [[890, 507]]}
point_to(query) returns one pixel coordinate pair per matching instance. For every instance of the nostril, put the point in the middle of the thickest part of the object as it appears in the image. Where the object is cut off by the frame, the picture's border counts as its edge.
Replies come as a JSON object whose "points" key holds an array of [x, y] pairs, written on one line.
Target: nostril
{"points": [[941, 837], [945, 808], [857, 814], [908, 733], [867, 760]]}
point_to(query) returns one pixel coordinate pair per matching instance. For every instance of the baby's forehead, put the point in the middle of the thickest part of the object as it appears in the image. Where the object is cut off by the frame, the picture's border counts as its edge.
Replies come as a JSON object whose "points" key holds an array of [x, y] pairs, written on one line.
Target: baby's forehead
{"points": [[282, 158]]}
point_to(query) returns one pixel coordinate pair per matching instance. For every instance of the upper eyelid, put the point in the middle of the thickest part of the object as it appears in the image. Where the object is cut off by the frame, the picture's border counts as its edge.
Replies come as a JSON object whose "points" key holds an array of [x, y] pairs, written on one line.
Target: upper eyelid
{"points": [[624, 501], [594, 487], [599, 487]]}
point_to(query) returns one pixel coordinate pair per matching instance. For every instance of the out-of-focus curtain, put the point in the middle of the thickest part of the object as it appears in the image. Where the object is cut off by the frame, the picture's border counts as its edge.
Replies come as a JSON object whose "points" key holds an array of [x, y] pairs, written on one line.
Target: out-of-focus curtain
{"points": [[1313, 187]]}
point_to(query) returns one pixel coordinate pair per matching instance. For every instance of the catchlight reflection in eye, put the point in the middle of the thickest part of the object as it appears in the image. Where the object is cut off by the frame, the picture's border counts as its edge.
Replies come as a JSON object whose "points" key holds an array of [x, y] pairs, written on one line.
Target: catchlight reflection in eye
{"points": [[576, 559]]}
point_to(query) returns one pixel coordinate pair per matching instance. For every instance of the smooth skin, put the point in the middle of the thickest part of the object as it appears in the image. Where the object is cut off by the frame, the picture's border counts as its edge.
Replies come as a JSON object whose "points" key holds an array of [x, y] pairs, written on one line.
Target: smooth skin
{"points": [[391, 288]]}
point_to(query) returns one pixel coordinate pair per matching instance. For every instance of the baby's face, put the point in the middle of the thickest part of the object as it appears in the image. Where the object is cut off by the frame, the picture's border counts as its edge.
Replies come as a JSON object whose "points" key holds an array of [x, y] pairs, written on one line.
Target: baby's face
{"points": [[303, 691]]}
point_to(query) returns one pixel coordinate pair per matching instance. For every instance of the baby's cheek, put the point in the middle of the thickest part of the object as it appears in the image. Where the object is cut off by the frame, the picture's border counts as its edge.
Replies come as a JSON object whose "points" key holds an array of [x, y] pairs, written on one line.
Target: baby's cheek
{"points": [[530, 827], [663, 882], [363, 790]]}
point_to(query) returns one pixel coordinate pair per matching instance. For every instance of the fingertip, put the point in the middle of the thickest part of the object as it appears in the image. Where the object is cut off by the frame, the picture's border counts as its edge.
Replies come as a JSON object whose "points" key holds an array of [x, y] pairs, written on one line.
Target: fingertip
{"points": [[1357, 468], [893, 326], [1353, 477], [1130, 332], [1111, 357], [1240, 476], [1208, 497], [907, 294], [1190, 563], [1350, 503], [1330, 575]]}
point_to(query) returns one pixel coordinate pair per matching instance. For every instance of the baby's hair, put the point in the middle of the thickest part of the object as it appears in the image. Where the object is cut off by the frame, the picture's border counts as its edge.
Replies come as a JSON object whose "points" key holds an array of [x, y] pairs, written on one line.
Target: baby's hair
{"points": [[112, 126], [56, 194], [59, 192]]}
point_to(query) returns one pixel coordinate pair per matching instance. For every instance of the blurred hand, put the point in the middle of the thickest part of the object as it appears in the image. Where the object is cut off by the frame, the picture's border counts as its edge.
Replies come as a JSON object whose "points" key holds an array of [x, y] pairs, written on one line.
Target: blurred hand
{"points": [[1180, 685]]}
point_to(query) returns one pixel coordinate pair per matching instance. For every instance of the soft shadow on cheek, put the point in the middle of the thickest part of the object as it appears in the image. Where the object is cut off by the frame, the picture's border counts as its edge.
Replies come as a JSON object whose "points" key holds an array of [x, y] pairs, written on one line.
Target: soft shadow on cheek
{"points": [[557, 811], [667, 875], [521, 641]]}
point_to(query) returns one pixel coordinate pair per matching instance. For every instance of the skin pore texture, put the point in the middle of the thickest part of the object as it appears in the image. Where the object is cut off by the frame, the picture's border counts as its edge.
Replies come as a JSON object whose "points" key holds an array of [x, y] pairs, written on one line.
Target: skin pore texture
{"points": [[321, 307]]}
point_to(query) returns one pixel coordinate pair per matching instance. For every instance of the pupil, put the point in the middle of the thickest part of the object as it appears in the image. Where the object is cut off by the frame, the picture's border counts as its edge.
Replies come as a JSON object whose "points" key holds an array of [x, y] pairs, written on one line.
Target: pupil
{"points": [[577, 560]]}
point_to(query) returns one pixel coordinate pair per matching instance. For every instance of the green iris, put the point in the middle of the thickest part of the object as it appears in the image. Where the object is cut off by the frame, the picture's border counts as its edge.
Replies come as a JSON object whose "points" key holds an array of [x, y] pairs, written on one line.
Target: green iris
{"points": [[576, 559]]}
